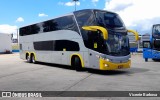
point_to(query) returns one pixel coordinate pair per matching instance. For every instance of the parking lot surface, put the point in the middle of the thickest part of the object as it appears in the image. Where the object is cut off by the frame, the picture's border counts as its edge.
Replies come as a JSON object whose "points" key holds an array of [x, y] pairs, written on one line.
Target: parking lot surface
{"points": [[18, 75]]}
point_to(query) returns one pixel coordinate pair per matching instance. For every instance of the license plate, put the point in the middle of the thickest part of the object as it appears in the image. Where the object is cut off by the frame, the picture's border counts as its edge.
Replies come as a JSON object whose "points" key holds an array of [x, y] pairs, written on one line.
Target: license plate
{"points": [[120, 66]]}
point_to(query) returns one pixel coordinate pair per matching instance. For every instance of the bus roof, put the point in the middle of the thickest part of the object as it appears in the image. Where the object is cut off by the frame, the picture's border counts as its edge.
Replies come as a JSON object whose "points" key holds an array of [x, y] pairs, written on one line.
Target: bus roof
{"points": [[46, 20], [93, 10], [72, 13]]}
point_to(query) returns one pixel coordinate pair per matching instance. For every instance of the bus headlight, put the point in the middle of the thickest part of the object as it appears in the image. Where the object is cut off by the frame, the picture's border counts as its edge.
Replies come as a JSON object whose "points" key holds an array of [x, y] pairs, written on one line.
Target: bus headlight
{"points": [[107, 60], [102, 58], [106, 65]]}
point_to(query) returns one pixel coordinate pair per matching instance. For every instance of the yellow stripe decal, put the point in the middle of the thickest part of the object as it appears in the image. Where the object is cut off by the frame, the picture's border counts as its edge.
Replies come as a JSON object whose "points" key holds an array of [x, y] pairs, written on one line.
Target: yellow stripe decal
{"points": [[77, 54], [28, 53], [34, 55]]}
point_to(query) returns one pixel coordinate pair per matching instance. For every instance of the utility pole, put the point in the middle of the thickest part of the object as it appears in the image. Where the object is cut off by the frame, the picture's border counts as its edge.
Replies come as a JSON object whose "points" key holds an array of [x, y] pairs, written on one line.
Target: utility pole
{"points": [[75, 3]]}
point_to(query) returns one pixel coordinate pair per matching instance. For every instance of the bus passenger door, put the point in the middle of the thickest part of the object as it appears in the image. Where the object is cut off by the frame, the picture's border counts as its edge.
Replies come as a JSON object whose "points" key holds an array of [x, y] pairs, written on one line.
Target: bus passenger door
{"points": [[93, 59], [95, 41]]}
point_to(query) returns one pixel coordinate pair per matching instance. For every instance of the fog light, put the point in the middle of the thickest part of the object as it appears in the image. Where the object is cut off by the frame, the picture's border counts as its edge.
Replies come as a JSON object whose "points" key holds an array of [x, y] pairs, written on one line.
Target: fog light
{"points": [[106, 65]]}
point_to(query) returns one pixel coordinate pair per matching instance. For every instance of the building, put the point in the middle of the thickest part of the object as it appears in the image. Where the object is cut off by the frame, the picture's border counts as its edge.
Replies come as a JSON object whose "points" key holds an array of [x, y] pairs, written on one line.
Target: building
{"points": [[136, 46], [5, 43]]}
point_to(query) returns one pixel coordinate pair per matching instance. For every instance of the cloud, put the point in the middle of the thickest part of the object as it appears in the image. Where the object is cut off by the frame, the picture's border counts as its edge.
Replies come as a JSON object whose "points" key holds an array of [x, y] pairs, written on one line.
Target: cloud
{"points": [[69, 3], [72, 3], [5, 28], [139, 14], [20, 19], [94, 2], [145, 26], [42, 15], [119, 5]]}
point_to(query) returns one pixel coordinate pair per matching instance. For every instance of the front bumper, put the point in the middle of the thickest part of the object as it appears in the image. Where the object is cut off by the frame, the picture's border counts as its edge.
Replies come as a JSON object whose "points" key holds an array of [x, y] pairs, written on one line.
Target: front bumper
{"points": [[107, 65]]}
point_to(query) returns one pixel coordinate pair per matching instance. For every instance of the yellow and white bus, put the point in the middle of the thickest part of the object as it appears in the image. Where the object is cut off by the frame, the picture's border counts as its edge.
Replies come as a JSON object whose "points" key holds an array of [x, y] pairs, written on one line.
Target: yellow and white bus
{"points": [[87, 38]]}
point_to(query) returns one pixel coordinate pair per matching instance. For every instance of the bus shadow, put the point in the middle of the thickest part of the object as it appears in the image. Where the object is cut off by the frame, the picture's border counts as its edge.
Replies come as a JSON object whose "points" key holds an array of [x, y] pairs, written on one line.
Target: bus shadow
{"points": [[109, 72], [88, 70], [129, 72], [56, 65]]}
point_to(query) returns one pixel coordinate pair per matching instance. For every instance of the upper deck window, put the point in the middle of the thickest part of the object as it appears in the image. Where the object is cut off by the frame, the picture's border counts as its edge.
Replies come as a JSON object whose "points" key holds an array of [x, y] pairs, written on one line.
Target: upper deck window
{"points": [[107, 19], [61, 23]]}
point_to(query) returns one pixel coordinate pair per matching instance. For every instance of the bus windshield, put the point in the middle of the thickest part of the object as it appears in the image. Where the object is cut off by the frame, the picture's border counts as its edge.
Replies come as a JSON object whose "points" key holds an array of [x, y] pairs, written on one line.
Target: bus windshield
{"points": [[117, 45], [156, 31], [108, 19]]}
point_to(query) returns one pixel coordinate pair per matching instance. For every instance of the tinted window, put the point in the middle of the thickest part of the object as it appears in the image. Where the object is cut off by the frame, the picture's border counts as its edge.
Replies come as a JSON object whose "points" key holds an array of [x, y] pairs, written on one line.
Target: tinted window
{"points": [[43, 45], [146, 44], [157, 44], [107, 19], [57, 45], [66, 23], [85, 18], [22, 31], [62, 23], [66, 44], [34, 29], [50, 25]]}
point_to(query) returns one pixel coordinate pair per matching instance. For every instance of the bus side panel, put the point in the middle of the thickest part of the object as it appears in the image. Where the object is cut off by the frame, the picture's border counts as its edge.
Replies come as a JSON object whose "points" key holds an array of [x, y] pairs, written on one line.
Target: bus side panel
{"points": [[147, 53], [156, 54], [43, 56], [86, 59], [26, 43], [22, 55], [56, 57], [93, 59], [83, 51]]}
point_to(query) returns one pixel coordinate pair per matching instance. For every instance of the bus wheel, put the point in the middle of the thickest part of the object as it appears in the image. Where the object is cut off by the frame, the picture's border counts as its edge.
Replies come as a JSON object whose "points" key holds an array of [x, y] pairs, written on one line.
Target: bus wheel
{"points": [[28, 58], [77, 64], [156, 60], [146, 59], [33, 59]]}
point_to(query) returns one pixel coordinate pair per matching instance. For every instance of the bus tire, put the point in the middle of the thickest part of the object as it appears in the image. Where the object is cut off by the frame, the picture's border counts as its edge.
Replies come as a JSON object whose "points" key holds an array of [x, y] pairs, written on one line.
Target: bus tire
{"points": [[77, 64], [146, 59], [33, 59], [28, 58], [156, 60]]}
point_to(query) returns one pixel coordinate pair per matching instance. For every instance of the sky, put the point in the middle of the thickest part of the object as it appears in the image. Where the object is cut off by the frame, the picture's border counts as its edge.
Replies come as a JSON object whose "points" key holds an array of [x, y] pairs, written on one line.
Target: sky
{"points": [[139, 15]]}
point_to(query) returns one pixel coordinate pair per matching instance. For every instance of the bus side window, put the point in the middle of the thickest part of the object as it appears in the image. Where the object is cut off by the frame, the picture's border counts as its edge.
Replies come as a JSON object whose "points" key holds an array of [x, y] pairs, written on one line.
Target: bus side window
{"points": [[146, 44]]}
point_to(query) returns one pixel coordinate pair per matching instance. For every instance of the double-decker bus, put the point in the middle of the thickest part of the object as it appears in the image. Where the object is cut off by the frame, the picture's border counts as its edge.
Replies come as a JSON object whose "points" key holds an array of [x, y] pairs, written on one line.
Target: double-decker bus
{"points": [[87, 38], [151, 49]]}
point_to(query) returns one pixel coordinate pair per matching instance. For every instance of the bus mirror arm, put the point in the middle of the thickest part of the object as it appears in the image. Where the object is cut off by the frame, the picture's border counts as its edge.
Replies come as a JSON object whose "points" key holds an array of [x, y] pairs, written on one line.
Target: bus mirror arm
{"points": [[135, 33], [96, 28]]}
